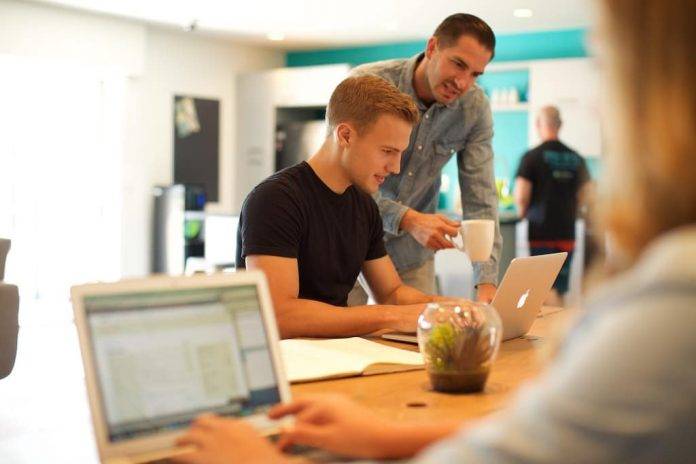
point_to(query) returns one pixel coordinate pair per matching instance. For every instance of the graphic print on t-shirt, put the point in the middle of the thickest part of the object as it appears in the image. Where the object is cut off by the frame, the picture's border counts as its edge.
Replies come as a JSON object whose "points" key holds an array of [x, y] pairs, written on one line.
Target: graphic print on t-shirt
{"points": [[556, 173]]}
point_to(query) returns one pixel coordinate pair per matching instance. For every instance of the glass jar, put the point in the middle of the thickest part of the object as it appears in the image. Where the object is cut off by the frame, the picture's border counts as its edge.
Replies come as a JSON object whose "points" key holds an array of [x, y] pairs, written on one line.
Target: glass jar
{"points": [[459, 341]]}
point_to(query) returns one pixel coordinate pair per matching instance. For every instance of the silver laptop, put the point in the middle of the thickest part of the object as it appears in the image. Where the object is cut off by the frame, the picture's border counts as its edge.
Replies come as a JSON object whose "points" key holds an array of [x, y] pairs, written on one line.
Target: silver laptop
{"points": [[160, 351], [524, 288], [519, 298]]}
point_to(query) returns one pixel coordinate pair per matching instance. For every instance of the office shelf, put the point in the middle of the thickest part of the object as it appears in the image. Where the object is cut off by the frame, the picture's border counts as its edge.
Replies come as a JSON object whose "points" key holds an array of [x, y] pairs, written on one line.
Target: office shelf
{"points": [[522, 106]]}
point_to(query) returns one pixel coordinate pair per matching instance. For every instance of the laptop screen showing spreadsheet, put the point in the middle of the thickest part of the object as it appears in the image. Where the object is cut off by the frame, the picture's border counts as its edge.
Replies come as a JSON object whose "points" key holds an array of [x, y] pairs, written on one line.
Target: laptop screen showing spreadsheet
{"points": [[163, 357]]}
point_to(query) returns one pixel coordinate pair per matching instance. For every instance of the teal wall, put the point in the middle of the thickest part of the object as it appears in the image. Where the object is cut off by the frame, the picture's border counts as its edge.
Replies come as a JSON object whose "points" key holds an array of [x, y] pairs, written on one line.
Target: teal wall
{"points": [[510, 128], [567, 43], [510, 139]]}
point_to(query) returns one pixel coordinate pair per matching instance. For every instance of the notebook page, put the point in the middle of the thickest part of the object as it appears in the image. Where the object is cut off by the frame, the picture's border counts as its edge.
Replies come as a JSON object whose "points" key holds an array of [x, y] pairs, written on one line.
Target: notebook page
{"points": [[317, 359]]}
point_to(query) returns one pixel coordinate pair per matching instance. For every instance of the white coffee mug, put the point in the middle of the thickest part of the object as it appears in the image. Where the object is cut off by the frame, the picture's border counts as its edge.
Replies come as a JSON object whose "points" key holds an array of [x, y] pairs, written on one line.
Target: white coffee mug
{"points": [[475, 238]]}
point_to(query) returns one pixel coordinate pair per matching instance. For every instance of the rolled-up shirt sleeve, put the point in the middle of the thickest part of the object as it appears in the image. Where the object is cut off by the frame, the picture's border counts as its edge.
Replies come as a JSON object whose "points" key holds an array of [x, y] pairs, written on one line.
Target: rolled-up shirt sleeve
{"points": [[391, 211]]}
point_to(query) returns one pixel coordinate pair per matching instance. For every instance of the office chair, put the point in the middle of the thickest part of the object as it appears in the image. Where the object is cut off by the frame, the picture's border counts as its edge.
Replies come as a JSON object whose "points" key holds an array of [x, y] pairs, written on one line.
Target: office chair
{"points": [[9, 307]]}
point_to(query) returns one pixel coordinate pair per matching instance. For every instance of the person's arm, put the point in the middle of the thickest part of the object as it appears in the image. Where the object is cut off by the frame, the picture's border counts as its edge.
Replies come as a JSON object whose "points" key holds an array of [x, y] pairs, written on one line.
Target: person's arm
{"points": [[218, 440], [339, 425], [329, 422], [479, 194], [611, 395], [586, 193], [386, 285], [299, 317], [429, 230], [392, 213], [523, 195]]}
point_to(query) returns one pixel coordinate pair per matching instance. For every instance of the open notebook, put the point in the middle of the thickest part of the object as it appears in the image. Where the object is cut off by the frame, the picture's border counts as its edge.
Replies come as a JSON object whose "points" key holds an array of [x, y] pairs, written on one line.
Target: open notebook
{"points": [[307, 360]]}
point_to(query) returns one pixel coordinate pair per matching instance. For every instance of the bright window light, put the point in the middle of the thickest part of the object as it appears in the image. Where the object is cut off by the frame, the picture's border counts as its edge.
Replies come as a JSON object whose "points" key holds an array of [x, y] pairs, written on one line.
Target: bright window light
{"points": [[523, 13], [60, 180], [276, 36]]}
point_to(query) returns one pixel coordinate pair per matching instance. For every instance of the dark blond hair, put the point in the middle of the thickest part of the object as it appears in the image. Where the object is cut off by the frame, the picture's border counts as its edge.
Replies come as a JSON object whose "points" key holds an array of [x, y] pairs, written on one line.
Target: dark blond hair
{"points": [[360, 100], [650, 178]]}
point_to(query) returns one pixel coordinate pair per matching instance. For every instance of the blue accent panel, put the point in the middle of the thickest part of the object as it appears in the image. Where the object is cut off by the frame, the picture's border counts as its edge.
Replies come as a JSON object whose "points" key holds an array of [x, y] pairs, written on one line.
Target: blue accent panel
{"points": [[566, 43], [504, 79], [355, 55], [510, 142], [447, 197]]}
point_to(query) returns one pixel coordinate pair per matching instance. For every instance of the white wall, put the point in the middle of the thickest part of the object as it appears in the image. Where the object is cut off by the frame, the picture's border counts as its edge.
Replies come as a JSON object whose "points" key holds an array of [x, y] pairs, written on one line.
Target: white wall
{"points": [[179, 64], [30, 29], [260, 93], [573, 86], [159, 64]]}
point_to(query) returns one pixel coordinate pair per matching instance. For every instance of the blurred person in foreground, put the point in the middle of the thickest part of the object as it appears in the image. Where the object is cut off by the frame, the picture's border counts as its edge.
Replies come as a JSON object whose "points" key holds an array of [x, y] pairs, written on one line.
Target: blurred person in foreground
{"points": [[621, 388]]}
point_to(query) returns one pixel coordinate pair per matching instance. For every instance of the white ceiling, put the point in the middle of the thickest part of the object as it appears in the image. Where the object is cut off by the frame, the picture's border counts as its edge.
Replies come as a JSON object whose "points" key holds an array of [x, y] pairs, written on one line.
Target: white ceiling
{"points": [[323, 23]]}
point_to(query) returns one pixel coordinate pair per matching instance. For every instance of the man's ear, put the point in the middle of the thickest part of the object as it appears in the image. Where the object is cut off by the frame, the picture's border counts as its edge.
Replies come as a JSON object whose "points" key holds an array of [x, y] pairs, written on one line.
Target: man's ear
{"points": [[431, 47], [344, 135]]}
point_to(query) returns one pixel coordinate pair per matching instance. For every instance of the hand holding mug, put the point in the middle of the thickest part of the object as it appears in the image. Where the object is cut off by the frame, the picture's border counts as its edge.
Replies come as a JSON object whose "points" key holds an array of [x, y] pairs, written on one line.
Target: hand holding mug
{"points": [[475, 238]]}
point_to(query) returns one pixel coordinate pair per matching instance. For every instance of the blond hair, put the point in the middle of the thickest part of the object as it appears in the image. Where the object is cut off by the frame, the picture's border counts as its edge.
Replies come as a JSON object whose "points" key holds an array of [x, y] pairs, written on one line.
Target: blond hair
{"points": [[360, 100], [650, 177]]}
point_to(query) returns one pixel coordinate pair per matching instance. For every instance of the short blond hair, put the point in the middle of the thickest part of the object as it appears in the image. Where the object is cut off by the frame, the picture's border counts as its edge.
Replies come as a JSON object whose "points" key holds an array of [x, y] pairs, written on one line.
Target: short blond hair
{"points": [[650, 178], [360, 100]]}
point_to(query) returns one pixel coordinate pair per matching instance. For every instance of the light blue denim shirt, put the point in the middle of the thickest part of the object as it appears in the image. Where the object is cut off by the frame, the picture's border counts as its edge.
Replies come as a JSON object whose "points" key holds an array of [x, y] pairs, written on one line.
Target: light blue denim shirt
{"points": [[463, 128]]}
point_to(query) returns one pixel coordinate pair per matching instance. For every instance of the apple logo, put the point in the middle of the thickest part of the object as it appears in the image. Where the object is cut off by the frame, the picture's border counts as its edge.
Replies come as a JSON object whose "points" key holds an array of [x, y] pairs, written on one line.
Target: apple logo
{"points": [[523, 299]]}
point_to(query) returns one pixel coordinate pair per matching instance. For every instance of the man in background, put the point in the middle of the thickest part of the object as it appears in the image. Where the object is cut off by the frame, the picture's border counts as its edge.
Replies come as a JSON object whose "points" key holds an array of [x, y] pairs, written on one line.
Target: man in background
{"points": [[552, 181], [455, 120]]}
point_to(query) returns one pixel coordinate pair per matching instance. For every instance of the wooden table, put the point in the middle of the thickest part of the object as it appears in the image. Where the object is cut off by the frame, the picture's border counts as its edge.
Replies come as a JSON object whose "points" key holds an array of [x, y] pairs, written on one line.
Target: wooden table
{"points": [[407, 395], [44, 415]]}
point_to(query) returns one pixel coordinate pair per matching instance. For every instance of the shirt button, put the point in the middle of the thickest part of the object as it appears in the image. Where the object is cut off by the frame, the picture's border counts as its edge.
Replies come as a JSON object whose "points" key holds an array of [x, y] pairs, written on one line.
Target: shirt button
{"points": [[420, 147], [427, 116], [410, 173]]}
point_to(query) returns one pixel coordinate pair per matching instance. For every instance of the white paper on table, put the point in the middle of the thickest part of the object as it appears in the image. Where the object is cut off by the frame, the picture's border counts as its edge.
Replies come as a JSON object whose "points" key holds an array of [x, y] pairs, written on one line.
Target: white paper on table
{"points": [[341, 357]]}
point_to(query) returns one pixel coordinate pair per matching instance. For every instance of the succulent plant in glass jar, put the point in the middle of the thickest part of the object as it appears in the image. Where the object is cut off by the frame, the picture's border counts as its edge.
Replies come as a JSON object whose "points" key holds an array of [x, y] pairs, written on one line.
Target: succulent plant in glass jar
{"points": [[459, 341]]}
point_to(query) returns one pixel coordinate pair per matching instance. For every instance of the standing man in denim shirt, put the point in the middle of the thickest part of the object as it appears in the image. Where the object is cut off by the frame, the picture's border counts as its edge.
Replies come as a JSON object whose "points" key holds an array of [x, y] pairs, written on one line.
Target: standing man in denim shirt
{"points": [[455, 120]]}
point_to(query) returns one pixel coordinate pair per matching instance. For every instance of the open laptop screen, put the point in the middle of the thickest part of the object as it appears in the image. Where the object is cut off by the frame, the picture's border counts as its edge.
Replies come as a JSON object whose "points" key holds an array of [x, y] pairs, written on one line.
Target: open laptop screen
{"points": [[162, 358]]}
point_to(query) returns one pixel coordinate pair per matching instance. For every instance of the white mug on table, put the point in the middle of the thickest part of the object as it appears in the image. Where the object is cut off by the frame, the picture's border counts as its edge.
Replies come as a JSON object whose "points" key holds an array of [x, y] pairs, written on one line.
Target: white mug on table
{"points": [[475, 238]]}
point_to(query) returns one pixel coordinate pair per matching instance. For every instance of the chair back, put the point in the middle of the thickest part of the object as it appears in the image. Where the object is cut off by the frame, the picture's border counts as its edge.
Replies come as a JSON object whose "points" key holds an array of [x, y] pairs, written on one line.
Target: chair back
{"points": [[9, 323]]}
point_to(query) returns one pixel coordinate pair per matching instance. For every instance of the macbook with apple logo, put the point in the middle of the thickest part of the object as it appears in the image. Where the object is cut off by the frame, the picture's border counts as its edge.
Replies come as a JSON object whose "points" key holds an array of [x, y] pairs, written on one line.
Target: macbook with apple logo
{"points": [[521, 294], [524, 288]]}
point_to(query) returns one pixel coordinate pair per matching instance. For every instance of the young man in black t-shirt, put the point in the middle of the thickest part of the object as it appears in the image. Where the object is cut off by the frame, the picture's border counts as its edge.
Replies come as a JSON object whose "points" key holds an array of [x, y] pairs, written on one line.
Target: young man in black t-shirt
{"points": [[313, 227], [552, 181]]}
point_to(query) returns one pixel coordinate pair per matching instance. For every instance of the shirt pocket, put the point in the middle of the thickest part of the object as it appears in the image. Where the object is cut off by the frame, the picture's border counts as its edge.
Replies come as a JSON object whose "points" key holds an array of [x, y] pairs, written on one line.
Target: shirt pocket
{"points": [[444, 151]]}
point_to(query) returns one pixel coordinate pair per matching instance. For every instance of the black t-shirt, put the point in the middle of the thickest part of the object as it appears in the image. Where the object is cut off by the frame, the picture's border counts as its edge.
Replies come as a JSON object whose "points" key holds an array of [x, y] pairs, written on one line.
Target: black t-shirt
{"points": [[556, 173], [293, 214]]}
